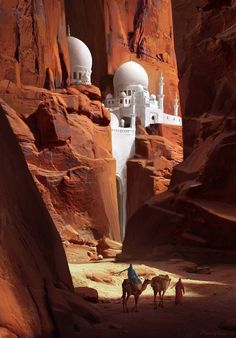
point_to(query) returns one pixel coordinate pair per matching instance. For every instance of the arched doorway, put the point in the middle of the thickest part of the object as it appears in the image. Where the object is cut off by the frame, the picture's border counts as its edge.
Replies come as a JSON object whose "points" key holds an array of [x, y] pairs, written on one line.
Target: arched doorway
{"points": [[120, 202]]}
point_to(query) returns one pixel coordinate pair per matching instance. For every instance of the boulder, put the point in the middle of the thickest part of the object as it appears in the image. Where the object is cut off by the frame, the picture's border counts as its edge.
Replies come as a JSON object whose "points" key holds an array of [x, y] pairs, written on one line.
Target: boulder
{"points": [[52, 123], [89, 294], [110, 253], [107, 243]]}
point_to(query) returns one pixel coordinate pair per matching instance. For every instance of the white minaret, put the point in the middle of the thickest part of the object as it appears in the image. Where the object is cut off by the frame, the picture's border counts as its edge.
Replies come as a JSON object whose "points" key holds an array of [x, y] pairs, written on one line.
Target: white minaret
{"points": [[176, 105], [68, 30], [161, 93], [133, 115]]}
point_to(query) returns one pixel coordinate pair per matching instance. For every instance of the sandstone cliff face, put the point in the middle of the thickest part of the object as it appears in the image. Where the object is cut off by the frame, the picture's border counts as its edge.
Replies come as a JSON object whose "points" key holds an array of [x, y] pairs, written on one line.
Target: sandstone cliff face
{"points": [[37, 297], [158, 150], [66, 141], [206, 65], [141, 29], [64, 133], [199, 208], [33, 40]]}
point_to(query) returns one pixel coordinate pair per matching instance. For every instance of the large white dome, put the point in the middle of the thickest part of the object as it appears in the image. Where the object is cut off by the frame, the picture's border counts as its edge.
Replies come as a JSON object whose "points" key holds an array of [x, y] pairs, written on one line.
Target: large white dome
{"points": [[114, 121], [79, 53], [128, 74]]}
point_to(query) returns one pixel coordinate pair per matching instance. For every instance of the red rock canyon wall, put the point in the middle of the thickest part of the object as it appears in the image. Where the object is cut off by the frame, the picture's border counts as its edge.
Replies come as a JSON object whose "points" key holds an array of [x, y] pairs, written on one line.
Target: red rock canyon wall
{"points": [[64, 133], [199, 208], [37, 296]]}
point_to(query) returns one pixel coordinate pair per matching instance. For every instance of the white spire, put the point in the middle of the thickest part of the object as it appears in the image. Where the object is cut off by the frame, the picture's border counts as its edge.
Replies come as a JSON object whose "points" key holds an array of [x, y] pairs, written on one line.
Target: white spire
{"points": [[161, 84], [133, 100], [133, 116], [68, 30], [161, 93], [176, 105]]}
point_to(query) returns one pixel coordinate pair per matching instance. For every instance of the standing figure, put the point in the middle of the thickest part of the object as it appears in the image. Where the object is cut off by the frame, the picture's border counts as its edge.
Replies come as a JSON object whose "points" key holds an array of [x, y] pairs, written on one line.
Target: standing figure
{"points": [[179, 292]]}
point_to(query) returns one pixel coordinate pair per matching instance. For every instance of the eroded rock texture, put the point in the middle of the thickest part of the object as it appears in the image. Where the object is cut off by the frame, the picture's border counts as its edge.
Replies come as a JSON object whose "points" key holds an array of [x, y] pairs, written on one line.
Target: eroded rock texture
{"points": [[37, 297], [141, 29], [200, 206], [33, 42], [158, 150], [206, 65], [66, 141]]}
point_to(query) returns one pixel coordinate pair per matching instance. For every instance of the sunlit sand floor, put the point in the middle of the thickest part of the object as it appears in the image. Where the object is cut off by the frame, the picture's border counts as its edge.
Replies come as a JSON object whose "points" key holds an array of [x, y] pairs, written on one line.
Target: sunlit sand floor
{"points": [[209, 300]]}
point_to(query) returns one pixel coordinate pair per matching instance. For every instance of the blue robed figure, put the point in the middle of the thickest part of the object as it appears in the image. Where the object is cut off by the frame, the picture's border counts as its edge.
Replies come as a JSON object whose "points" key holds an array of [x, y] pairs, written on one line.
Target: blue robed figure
{"points": [[132, 275]]}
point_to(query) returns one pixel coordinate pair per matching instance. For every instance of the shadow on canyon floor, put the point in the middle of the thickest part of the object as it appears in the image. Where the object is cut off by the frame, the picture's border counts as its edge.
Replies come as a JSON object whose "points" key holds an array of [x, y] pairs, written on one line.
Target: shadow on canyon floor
{"points": [[210, 299]]}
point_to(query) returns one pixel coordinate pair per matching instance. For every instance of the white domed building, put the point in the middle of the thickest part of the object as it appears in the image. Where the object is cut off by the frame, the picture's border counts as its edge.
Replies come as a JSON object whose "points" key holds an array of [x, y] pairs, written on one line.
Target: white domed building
{"points": [[80, 61], [132, 99], [131, 81]]}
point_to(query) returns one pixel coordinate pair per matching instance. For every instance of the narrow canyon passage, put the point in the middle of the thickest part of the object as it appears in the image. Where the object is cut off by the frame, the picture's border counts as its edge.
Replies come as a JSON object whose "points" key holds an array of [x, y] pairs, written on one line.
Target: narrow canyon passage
{"points": [[117, 147]]}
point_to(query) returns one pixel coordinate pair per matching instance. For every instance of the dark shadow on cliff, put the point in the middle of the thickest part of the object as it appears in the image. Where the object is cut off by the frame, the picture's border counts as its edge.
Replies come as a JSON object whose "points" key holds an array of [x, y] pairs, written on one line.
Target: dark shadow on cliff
{"points": [[37, 295]]}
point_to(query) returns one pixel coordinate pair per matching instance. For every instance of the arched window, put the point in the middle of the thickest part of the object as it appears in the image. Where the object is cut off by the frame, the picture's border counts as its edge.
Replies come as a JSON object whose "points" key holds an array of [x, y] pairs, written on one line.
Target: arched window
{"points": [[129, 92], [75, 75], [80, 75], [121, 100]]}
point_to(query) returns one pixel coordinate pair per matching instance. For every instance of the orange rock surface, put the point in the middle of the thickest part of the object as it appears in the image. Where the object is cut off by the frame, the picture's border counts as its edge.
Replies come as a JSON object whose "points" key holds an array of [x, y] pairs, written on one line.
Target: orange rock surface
{"points": [[69, 155], [149, 172], [35, 285], [33, 41], [199, 207]]}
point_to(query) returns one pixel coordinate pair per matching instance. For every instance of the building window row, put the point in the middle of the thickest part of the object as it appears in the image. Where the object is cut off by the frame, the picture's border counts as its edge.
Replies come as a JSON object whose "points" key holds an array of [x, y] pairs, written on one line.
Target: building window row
{"points": [[110, 102], [76, 77], [128, 92], [125, 101]]}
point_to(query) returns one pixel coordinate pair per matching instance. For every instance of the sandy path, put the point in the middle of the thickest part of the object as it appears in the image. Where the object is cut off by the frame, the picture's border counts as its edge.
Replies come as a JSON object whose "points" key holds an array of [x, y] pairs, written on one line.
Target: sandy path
{"points": [[209, 300]]}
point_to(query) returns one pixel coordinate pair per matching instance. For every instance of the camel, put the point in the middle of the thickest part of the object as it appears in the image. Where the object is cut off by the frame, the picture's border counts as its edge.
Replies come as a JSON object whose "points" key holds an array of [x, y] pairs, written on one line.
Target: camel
{"points": [[159, 285], [129, 289]]}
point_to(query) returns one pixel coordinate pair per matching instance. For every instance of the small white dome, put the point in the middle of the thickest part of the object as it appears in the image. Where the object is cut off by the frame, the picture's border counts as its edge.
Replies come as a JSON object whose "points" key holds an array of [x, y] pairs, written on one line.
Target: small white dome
{"points": [[109, 96], [114, 121], [79, 53], [153, 97], [122, 94], [128, 74]]}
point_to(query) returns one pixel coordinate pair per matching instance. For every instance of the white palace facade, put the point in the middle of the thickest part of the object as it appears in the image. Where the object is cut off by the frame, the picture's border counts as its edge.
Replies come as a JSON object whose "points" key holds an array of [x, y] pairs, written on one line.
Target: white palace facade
{"points": [[131, 100]]}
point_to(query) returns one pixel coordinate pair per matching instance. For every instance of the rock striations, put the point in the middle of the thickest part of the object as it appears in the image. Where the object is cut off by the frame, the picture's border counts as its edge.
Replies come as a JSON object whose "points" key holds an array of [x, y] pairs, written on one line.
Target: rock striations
{"points": [[37, 297], [199, 208]]}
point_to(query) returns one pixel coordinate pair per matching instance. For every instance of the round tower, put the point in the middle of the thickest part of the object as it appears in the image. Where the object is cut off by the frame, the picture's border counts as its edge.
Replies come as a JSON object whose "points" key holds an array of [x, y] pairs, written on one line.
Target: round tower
{"points": [[176, 105], [161, 93]]}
